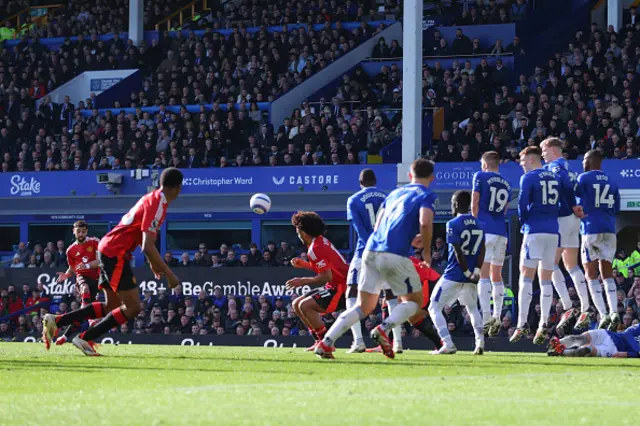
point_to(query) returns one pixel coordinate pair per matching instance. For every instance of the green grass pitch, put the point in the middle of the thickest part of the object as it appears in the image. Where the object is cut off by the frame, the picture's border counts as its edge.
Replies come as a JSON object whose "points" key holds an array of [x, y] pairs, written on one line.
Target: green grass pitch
{"points": [[173, 385]]}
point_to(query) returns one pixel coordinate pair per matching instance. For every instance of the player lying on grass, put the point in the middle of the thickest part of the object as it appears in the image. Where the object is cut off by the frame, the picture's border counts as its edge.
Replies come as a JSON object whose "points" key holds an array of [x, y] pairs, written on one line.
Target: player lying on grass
{"points": [[600, 343], [331, 268], [465, 237]]}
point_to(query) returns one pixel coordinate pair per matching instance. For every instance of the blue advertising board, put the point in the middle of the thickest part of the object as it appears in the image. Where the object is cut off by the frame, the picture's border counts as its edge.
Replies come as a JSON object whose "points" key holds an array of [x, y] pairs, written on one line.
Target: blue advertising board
{"points": [[102, 84], [234, 180], [198, 181], [454, 176]]}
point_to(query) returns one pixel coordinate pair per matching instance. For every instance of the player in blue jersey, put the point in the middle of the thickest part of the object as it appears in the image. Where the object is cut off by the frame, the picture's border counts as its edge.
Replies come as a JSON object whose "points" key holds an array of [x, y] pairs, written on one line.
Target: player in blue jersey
{"points": [[600, 343], [466, 239], [599, 197], [489, 201], [538, 213], [569, 233], [362, 208], [407, 211]]}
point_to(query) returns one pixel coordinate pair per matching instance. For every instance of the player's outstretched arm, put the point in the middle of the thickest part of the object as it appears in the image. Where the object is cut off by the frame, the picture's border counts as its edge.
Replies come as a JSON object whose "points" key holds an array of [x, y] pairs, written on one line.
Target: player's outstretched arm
{"points": [[320, 279], [157, 264], [65, 275], [296, 262]]}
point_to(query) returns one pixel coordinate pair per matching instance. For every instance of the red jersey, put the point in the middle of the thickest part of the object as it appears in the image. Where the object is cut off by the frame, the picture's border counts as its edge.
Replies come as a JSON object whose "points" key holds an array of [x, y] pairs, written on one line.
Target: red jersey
{"points": [[322, 256], [146, 216], [80, 253], [426, 275]]}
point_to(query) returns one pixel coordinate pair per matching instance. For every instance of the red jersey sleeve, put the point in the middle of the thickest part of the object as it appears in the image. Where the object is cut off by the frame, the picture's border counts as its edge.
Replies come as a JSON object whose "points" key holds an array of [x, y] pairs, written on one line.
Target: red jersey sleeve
{"points": [[319, 257], [153, 210]]}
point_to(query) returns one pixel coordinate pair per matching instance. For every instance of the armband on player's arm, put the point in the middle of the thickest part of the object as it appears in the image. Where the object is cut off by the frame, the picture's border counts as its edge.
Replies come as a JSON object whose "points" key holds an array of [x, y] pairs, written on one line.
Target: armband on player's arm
{"points": [[633, 355]]}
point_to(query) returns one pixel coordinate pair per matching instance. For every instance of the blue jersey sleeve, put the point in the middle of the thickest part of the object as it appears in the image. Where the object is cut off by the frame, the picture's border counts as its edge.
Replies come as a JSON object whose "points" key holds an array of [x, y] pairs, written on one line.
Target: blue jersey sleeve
{"points": [[523, 198], [568, 193], [453, 236], [616, 199], [350, 208], [477, 182], [354, 215], [429, 202], [579, 187]]}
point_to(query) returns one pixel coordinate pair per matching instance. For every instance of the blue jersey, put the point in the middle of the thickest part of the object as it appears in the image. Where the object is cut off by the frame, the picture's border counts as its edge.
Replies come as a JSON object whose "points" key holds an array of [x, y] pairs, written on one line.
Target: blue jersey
{"points": [[400, 221], [538, 202], [568, 181], [495, 193], [467, 232], [599, 197], [627, 341], [362, 208]]}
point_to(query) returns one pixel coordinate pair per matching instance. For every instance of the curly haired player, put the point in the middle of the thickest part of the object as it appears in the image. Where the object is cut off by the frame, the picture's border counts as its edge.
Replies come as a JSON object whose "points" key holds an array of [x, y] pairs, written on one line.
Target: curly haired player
{"points": [[328, 263]]}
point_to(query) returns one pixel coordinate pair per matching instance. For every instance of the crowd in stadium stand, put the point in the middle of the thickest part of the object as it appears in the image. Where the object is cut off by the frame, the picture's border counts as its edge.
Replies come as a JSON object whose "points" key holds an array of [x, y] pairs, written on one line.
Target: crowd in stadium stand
{"points": [[587, 97], [219, 314]]}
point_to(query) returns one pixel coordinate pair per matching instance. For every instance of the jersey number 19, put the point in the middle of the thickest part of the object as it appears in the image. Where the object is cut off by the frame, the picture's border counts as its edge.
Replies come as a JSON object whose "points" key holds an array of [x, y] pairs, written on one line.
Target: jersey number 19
{"points": [[499, 197]]}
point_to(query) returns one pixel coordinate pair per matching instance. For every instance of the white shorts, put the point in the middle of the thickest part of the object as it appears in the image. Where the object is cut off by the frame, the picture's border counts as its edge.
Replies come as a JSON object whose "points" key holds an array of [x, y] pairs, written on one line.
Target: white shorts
{"points": [[495, 249], [601, 340], [354, 271], [598, 247], [447, 292], [569, 229], [539, 248], [388, 271]]}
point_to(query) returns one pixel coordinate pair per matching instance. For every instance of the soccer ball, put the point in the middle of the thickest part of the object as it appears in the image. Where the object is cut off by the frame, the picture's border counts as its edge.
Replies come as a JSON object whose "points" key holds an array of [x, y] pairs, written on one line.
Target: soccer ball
{"points": [[260, 203]]}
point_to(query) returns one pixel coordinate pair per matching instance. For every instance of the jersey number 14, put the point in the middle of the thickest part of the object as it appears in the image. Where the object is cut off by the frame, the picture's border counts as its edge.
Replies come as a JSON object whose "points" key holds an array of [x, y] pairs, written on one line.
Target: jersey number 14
{"points": [[602, 195]]}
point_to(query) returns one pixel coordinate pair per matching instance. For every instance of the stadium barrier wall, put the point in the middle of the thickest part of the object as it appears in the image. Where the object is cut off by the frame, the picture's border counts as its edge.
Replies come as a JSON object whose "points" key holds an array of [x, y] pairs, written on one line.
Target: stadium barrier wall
{"points": [[372, 68], [251, 281], [88, 83], [237, 180], [463, 343], [285, 104], [231, 180]]}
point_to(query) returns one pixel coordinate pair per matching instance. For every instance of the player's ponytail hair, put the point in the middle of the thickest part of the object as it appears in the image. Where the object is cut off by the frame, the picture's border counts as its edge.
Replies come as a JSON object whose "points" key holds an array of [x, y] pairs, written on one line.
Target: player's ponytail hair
{"points": [[309, 222]]}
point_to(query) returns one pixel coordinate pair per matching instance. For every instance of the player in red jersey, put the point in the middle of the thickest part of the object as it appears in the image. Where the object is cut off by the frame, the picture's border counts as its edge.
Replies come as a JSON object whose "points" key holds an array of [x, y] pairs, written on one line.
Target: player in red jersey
{"points": [[331, 268], [83, 262], [421, 319], [139, 227]]}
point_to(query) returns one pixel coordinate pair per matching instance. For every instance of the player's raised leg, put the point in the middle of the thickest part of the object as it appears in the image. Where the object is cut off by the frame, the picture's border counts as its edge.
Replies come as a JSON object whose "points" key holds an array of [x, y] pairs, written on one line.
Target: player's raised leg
{"points": [[392, 302]]}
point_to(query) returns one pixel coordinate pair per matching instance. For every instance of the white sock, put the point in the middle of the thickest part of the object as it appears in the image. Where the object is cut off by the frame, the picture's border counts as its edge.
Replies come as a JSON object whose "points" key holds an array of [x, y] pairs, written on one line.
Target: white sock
{"points": [[612, 296], [398, 316], [546, 296], [343, 323], [524, 299], [596, 296], [580, 283], [560, 283], [476, 322], [498, 299], [392, 304], [356, 329], [435, 311], [484, 295]]}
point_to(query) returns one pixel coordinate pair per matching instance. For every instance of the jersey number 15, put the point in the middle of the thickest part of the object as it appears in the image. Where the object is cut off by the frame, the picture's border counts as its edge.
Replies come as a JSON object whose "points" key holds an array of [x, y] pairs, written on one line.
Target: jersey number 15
{"points": [[549, 192]]}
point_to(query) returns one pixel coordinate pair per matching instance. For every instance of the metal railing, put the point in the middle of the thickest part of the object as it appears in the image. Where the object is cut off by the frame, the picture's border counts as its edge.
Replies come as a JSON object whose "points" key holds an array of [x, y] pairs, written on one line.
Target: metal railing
{"points": [[18, 19], [181, 13], [482, 55]]}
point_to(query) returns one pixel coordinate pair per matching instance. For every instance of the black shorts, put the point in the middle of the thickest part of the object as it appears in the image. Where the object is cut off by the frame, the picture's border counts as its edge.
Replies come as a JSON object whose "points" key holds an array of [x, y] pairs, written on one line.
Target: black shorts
{"points": [[92, 283], [329, 300], [116, 274]]}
